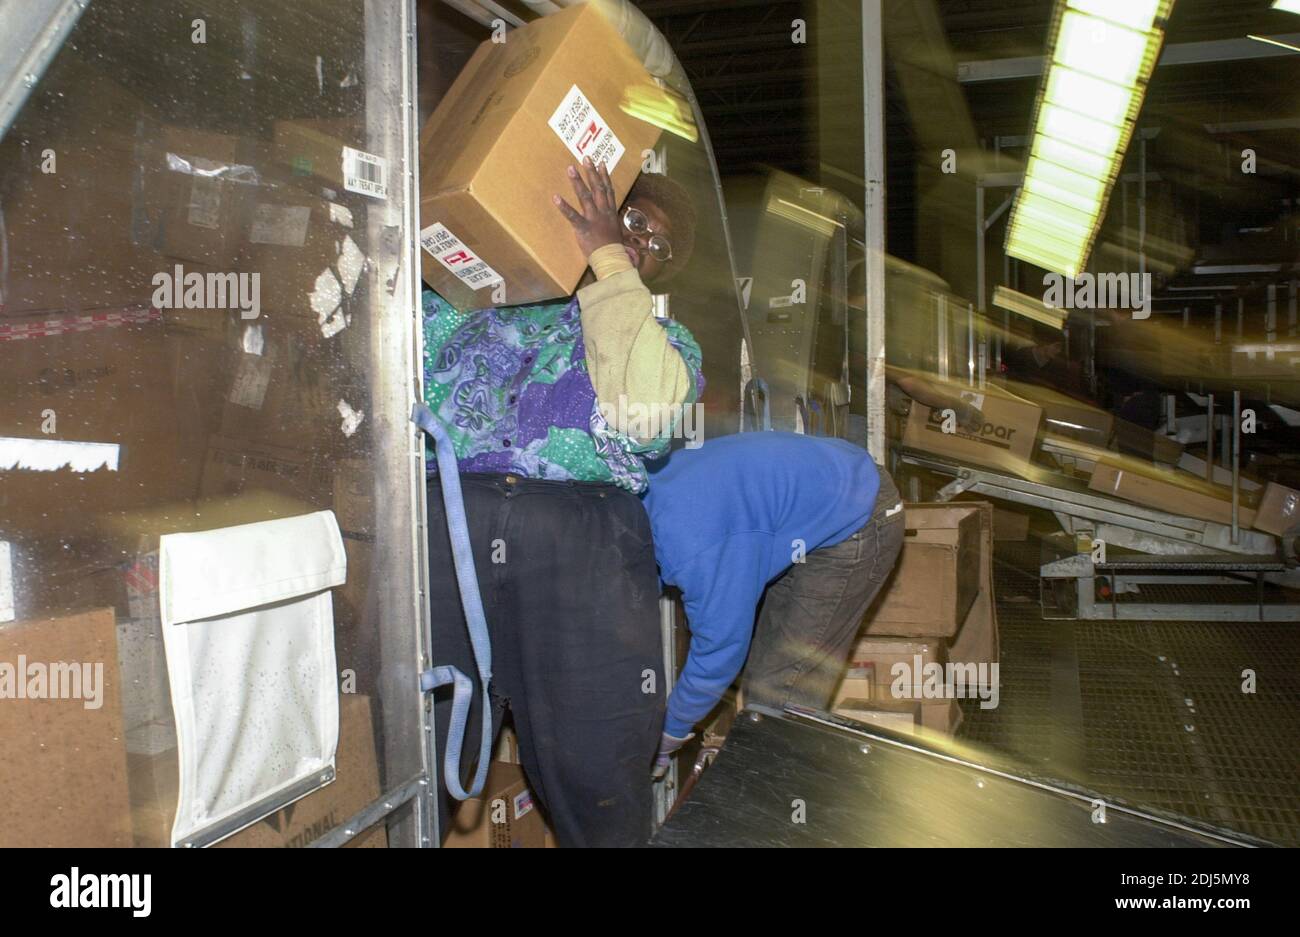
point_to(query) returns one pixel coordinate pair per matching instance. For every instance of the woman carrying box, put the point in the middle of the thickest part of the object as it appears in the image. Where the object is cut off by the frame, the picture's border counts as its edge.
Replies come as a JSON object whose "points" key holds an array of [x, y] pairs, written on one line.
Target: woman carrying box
{"points": [[536, 400]]}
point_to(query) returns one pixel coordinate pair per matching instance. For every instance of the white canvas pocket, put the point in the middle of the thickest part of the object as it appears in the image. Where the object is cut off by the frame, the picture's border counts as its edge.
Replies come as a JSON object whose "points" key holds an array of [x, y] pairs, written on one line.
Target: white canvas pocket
{"points": [[248, 627]]}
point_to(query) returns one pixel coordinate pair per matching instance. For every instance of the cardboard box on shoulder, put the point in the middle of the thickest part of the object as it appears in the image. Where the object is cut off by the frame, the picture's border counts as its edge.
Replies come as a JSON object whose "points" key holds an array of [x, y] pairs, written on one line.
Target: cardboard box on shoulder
{"points": [[64, 781], [937, 576], [1169, 490], [1005, 441], [498, 146]]}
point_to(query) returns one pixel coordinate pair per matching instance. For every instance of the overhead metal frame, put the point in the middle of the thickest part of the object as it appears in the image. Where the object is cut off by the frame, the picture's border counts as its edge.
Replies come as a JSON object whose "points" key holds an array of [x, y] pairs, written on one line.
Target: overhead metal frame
{"points": [[31, 33]]}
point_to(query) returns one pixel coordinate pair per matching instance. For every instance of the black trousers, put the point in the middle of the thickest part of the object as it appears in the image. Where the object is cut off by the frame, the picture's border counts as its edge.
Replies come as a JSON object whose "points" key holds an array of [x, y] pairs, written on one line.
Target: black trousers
{"points": [[570, 590]]}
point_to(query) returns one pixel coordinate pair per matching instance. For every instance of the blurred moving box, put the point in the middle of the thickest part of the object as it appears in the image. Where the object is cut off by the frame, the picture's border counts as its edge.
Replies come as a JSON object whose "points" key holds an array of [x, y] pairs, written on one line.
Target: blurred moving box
{"points": [[1005, 441], [1169, 490], [64, 781], [1131, 438], [1279, 509], [498, 146], [505, 816], [938, 573], [1067, 416]]}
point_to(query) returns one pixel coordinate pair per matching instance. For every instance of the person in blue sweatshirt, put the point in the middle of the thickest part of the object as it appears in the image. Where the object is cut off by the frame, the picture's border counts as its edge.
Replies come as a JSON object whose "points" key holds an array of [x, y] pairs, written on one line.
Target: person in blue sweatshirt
{"points": [[796, 531]]}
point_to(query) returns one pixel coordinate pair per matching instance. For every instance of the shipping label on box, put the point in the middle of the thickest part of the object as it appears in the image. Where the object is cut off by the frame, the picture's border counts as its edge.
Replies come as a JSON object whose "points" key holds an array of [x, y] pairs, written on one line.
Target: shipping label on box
{"points": [[451, 252], [577, 122]]}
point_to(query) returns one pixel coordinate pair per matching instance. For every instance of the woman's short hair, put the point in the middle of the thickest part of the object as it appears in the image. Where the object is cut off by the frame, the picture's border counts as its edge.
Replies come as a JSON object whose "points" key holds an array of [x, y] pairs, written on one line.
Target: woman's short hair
{"points": [[675, 202]]}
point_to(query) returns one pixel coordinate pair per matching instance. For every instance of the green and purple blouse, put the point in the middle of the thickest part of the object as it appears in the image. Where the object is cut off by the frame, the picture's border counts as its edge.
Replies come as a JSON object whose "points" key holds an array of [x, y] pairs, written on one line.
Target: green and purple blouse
{"points": [[511, 386]]}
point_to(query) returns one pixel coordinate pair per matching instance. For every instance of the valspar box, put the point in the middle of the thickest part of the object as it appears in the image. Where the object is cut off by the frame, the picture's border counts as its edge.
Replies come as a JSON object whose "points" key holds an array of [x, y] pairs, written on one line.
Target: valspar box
{"points": [[1004, 441], [497, 148]]}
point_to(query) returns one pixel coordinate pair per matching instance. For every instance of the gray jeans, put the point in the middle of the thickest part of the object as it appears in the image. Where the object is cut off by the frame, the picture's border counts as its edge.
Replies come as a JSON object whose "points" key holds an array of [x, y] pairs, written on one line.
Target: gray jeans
{"points": [[811, 615]]}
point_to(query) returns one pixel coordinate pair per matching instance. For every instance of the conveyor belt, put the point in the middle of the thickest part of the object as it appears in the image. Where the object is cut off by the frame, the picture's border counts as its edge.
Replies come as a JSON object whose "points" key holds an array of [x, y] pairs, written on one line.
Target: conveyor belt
{"points": [[808, 781]]}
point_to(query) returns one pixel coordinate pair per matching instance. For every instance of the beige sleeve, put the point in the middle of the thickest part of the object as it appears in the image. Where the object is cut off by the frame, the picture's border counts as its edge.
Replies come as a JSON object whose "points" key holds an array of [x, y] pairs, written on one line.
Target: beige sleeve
{"points": [[628, 352]]}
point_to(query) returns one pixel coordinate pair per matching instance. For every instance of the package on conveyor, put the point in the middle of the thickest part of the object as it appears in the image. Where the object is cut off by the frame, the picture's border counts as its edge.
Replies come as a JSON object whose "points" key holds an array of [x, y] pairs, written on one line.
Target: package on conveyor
{"points": [[498, 146], [1279, 509], [1169, 490], [1005, 441]]}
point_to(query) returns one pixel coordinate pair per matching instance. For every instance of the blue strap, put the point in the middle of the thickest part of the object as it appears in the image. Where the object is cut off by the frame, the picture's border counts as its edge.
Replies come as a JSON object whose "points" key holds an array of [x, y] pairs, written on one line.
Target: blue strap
{"points": [[818, 417], [472, 604]]}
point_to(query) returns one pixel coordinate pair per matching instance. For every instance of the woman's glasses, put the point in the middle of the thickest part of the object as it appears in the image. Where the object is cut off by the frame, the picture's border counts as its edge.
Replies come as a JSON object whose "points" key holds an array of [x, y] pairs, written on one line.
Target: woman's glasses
{"points": [[658, 246]]}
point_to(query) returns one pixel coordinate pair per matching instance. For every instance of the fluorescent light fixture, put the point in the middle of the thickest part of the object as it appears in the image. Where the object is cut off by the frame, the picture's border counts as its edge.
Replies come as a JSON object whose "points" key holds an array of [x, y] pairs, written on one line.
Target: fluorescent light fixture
{"points": [[1102, 56], [1028, 307], [1291, 6]]}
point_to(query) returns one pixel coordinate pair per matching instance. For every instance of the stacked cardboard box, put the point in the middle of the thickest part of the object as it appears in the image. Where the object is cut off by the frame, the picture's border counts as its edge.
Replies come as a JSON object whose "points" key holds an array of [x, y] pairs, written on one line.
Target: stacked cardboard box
{"points": [[897, 676], [505, 816]]}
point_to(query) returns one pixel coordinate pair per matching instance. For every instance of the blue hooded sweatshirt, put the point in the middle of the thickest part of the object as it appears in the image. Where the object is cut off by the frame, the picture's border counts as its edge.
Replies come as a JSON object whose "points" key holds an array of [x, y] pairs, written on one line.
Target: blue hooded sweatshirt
{"points": [[726, 519]]}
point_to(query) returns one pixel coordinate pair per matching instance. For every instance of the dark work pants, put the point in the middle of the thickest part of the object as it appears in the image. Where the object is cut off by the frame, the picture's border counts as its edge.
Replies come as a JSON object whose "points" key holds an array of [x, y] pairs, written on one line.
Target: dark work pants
{"points": [[812, 614], [570, 590]]}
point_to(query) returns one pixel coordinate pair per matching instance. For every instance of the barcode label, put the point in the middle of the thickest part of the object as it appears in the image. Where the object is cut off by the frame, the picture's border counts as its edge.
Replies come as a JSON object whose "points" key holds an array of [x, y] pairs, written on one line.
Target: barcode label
{"points": [[365, 173], [451, 252], [577, 122]]}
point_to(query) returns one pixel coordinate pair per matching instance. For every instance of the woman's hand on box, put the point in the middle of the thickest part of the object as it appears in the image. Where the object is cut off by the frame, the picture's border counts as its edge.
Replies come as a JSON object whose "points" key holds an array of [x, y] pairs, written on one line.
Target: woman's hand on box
{"points": [[595, 221]]}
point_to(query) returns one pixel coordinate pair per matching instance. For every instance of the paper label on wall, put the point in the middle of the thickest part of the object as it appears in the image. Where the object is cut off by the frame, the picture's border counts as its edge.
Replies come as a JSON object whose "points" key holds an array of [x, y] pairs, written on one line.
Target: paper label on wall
{"points": [[365, 173], [205, 195], [577, 122], [451, 252], [284, 225]]}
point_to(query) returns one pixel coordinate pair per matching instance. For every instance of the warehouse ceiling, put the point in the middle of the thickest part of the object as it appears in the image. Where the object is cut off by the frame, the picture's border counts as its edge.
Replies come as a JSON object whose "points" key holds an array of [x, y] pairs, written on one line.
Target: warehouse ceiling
{"points": [[758, 91]]}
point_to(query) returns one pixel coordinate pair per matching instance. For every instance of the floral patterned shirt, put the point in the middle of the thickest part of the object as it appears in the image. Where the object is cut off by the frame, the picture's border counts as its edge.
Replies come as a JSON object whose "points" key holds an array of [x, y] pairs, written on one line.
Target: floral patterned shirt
{"points": [[511, 386]]}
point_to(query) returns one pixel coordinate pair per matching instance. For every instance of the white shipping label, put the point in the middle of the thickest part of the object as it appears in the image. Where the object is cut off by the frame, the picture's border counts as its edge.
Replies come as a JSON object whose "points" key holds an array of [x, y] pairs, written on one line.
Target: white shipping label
{"points": [[365, 173], [451, 252], [584, 132], [283, 225]]}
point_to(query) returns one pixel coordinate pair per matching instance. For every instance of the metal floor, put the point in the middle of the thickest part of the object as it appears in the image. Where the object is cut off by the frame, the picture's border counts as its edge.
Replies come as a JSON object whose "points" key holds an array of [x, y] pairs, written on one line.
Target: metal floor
{"points": [[1149, 713]]}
